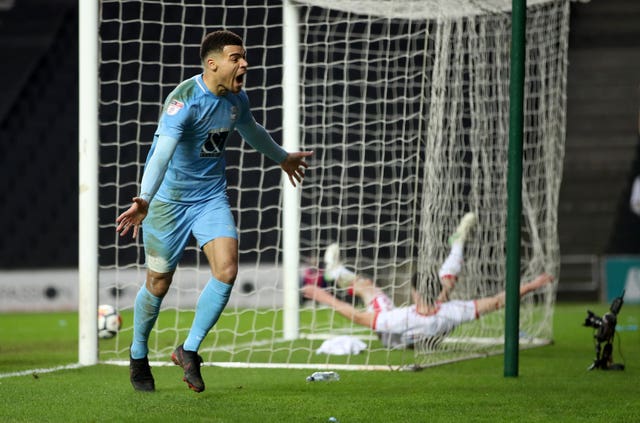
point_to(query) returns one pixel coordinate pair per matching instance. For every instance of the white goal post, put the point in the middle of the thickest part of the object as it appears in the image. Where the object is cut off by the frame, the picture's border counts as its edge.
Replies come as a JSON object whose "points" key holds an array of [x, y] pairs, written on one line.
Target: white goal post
{"points": [[405, 105], [88, 148]]}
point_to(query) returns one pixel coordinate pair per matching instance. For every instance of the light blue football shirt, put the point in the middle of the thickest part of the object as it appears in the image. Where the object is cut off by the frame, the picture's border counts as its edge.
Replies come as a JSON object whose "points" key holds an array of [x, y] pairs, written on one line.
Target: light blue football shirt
{"points": [[197, 123]]}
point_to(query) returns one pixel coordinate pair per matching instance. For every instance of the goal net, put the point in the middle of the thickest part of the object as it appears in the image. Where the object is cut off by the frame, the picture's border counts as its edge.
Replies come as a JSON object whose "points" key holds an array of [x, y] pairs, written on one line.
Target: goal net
{"points": [[406, 107]]}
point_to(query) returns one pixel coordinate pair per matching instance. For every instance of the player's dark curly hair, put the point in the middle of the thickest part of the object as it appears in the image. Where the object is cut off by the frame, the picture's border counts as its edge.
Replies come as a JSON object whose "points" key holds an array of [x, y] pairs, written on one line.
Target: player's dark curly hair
{"points": [[215, 42]]}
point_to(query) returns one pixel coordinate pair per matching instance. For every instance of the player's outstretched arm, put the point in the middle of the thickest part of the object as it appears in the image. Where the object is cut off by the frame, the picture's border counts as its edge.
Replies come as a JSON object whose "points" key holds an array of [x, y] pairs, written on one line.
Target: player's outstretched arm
{"points": [[496, 302], [133, 217], [154, 172], [318, 294], [294, 165], [540, 281]]}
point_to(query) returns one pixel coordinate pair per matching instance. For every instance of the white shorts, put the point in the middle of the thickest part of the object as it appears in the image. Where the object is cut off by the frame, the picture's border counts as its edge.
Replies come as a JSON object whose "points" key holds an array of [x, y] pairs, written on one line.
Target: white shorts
{"points": [[407, 321]]}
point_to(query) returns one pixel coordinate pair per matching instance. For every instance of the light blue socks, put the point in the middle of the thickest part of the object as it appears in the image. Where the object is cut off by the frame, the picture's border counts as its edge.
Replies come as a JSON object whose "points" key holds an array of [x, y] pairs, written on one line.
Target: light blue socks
{"points": [[146, 309], [212, 301]]}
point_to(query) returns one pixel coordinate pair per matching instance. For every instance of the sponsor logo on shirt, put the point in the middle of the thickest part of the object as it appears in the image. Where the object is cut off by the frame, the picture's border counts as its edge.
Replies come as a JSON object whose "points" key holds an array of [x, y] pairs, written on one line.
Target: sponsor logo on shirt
{"points": [[214, 145], [174, 107]]}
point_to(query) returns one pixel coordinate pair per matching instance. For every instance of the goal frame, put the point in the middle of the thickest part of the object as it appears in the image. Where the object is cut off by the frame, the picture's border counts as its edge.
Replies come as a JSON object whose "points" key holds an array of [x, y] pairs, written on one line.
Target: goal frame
{"points": [[88, 183], [88, 146]]}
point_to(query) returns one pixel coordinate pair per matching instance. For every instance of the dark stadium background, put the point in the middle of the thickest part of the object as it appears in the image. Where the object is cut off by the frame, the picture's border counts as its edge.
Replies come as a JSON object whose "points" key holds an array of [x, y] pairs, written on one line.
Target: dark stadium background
{"points": [[39, 119]]}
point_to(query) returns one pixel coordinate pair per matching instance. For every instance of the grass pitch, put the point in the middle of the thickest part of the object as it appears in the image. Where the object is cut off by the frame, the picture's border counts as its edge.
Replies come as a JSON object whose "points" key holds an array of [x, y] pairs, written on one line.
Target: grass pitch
{"points": [[553, 384]]}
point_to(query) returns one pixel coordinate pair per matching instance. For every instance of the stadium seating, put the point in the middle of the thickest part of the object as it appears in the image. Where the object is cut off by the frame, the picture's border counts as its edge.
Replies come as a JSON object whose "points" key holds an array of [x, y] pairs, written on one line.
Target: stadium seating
{"points": [[38, 129]]}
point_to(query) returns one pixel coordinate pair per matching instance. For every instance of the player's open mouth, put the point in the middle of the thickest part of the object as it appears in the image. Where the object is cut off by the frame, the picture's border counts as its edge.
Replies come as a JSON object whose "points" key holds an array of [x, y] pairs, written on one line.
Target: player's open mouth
{"points": [[240, 79]]}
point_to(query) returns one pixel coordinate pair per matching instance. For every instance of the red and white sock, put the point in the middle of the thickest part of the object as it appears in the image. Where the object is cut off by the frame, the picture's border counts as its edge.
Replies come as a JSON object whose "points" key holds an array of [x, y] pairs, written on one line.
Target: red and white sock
{"points": [[453, 263]]}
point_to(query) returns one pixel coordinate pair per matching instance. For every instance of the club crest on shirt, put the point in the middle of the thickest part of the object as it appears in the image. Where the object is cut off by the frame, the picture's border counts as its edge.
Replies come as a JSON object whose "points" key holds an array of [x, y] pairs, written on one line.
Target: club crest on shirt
{"points": [[234, 113], [174, 107]]}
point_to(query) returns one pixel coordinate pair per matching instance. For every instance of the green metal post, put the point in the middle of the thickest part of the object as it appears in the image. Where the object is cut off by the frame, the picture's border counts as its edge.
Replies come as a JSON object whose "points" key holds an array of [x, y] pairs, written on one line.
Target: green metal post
{"points": [[514, 187]]}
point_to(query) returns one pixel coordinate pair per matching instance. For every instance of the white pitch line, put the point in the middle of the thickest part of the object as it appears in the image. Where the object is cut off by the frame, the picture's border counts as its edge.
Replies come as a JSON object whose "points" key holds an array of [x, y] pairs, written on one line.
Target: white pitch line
{"points": [[36, 372]]}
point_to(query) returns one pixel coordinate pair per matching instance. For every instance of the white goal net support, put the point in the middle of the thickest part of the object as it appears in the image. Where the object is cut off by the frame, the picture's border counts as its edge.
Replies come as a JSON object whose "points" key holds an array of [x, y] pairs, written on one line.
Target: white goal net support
{"points": [[406, 107]]}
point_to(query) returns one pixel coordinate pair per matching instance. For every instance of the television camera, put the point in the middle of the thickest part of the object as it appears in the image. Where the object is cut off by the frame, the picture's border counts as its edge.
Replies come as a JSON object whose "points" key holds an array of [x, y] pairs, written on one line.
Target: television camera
{"points": [[605, 327]]}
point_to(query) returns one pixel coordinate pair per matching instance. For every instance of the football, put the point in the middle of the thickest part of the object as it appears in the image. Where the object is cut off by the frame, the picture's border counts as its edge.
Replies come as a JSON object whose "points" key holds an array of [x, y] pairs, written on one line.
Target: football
{"points": [[109, 321]]}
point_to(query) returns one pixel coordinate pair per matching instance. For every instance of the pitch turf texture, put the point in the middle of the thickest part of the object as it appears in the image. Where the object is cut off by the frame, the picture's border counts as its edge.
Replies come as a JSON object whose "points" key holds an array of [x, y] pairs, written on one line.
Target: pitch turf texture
{"points": [[553, 384]]}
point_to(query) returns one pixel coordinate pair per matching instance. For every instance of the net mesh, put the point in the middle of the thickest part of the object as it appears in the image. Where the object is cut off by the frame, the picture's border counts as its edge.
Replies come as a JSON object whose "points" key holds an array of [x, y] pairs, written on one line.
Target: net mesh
{"points": [[406, 107]]}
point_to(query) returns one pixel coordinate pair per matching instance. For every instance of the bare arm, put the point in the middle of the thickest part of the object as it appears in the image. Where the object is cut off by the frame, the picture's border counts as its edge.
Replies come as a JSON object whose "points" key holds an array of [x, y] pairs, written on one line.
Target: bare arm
{"points": [[489, 304], [318, 294]]}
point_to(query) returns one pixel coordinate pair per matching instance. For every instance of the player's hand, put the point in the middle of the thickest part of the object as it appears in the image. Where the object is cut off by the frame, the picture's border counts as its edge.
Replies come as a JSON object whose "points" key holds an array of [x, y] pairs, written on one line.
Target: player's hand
{"points": [[133, 217], [310, 291], [294, 166]]}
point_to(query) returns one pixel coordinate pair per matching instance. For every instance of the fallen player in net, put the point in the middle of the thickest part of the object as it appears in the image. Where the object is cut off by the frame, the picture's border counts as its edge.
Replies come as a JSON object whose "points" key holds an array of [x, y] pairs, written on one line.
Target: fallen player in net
{"points": [[421, 319]]}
